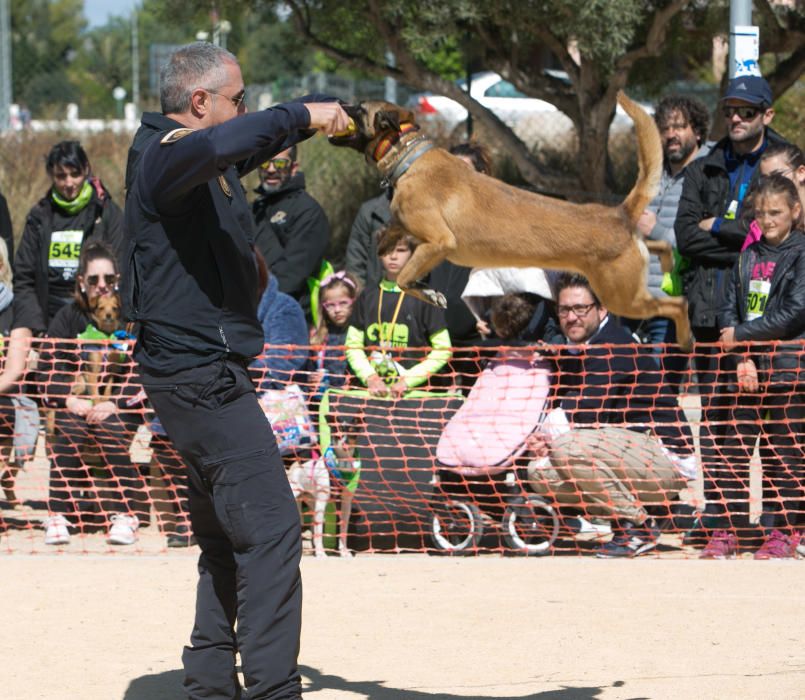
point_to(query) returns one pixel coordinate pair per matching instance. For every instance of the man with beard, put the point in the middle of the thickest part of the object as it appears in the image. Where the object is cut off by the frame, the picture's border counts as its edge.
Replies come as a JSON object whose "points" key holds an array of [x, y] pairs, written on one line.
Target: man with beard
{"points": [[683, 124], [711, 226], [292, 228]]}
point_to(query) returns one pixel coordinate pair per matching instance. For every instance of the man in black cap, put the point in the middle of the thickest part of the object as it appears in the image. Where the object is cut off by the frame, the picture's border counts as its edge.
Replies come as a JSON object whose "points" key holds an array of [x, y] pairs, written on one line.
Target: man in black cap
{"points": [[711, 227]]}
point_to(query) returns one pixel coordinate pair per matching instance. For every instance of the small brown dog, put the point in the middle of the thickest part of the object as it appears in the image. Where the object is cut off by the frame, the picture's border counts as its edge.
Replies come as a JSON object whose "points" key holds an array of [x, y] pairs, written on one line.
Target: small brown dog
{"points": [[476, 221], [105, 312]]}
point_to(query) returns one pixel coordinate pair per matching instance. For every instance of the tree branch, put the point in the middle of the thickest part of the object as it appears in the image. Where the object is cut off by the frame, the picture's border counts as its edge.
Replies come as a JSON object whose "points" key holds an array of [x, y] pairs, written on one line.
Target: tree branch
{"points": [[655, 37]]}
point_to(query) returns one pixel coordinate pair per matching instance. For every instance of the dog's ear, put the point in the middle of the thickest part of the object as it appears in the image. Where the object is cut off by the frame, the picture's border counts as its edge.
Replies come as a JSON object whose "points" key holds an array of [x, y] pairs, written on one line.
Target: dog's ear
{"points": [[386, 120]]}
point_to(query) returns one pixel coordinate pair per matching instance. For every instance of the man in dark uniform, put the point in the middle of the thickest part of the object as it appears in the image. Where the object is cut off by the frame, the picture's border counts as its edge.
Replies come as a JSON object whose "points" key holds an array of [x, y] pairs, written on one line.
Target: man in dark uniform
{"points": [[292, 228], [191, 283]]}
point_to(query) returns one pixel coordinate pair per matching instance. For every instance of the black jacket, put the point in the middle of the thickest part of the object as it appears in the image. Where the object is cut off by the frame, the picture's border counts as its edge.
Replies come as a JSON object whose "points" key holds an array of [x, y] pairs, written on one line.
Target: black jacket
{"points": [[602, 384], [6, 229], [191, 277], [292, 234], [361, 256], [39, 290], [784, 315], [706, 193]]}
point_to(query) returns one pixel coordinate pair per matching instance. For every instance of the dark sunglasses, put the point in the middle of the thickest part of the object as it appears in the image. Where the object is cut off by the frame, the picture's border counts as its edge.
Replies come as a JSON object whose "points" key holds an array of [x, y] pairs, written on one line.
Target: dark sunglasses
{"points": [[236, 99], [747, 114], [278, 163], [93, 280]]}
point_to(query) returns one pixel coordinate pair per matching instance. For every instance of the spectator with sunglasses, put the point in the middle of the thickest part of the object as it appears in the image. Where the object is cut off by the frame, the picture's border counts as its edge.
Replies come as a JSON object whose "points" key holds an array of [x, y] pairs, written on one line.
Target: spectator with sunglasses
{"points": [[76, 499], [711, 226], [292, 231]]}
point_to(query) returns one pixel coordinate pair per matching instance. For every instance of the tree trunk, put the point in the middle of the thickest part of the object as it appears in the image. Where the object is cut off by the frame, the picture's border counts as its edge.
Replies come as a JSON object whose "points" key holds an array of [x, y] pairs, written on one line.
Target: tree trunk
{"points": [[593, 130]]}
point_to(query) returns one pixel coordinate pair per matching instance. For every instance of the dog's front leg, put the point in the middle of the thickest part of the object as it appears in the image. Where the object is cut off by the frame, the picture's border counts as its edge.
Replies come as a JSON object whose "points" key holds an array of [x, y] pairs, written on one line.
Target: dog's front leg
{"points": [[425, 258]]}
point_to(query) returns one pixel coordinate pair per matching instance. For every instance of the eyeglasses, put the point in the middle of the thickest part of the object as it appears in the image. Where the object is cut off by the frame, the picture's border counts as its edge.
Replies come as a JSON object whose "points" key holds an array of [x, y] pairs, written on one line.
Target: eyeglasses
{"points": [[236, 99], [336, 305], [109, 280], [746, 114], [278, 163], [580, 310]]}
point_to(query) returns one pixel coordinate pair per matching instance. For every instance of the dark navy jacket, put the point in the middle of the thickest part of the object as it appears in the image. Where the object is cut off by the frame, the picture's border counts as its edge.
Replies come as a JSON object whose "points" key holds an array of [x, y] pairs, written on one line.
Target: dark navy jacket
{"points": [[610, 380], [191, 277]]}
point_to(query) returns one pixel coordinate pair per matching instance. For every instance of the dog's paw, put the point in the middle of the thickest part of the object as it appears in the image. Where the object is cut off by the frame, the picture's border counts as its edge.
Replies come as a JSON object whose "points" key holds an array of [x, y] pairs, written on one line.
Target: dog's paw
{"points": [[345, 553], [435, 298], [320, 554]]}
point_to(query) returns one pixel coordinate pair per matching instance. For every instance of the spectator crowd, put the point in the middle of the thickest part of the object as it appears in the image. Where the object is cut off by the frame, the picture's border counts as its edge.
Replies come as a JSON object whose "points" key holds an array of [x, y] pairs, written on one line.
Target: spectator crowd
{"points": [[732, 211]]}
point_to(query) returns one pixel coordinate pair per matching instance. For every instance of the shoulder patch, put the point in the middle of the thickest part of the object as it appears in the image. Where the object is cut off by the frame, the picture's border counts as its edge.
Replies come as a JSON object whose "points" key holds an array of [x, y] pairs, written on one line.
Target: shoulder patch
{"points": [[175, 135]]}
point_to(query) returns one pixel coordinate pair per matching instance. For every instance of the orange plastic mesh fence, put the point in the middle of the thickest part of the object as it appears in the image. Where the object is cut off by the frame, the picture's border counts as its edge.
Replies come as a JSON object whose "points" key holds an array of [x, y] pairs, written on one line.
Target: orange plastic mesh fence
{"points": [[504, 450]]}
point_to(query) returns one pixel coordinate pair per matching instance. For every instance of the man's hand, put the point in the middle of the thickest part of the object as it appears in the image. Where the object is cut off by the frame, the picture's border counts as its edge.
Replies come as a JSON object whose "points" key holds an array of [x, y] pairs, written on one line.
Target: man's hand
{"points": [[376, 386], [646, 223], [707, 224], [747, 377], [538, 444], [727, 338], [328, 117]]}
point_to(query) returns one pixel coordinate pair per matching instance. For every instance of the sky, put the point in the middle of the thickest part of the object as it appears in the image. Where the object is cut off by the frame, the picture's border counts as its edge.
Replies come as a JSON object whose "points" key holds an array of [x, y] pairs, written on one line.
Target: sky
{"points": [[98, 11]]}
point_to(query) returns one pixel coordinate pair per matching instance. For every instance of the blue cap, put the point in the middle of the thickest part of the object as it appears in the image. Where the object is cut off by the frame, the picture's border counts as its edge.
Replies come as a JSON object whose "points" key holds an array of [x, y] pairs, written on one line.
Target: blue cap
{"points": [[749, 88]]}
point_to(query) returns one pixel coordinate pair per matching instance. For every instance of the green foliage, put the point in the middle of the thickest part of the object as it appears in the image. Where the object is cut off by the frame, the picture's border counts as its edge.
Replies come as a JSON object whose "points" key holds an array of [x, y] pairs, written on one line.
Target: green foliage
{"points": [[789, 117]]}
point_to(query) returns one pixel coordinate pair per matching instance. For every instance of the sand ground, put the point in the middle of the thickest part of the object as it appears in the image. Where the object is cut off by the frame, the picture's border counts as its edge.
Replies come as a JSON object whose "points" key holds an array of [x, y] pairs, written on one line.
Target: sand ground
{"points": [[414, 627]]}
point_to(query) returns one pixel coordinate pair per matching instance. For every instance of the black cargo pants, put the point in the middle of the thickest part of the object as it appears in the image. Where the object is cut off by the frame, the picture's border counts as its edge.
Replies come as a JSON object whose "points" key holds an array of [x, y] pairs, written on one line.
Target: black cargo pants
{"points": [[246, 522]]}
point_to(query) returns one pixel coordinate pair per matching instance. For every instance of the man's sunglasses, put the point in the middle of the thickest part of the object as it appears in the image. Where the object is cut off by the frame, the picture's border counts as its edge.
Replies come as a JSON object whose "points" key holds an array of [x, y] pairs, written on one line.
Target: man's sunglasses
{"points": [[236, 99], [93, 280], [746, 114], [278, 163]]}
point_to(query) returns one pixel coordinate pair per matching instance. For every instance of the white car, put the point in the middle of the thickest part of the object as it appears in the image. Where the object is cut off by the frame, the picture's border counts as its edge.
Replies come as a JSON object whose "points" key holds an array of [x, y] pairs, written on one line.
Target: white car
{"points": [[492, 91], [527, 116]]}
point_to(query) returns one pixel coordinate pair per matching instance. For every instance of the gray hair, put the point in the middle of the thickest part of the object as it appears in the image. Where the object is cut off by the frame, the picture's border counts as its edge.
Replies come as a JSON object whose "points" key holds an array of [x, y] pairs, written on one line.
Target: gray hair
{"points": [[197, 65]]}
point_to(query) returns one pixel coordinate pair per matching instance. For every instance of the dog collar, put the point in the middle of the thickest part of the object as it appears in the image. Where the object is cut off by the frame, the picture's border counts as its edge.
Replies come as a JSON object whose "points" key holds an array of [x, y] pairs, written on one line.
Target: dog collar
{"points": [[385, 144], [416, 149]]}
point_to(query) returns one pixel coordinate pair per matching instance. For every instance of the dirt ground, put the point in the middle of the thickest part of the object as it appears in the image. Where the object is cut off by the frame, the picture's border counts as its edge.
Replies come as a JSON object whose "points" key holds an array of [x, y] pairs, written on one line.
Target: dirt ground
{"points": [[414, 627]]}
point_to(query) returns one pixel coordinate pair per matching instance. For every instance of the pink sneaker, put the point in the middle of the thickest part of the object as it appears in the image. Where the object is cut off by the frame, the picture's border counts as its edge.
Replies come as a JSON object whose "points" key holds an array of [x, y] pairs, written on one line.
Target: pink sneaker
{"points": [[779, 546], [722, 545]]}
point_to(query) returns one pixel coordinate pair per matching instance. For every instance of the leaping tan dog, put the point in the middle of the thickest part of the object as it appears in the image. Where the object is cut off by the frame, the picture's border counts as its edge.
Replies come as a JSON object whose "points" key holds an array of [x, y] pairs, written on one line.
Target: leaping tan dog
{"points": [[476, 221]]}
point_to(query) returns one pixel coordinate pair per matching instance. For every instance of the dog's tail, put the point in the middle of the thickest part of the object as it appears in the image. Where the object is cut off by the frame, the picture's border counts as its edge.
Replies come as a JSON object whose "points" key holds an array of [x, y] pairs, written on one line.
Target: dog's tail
{"points": [[649, 159]]}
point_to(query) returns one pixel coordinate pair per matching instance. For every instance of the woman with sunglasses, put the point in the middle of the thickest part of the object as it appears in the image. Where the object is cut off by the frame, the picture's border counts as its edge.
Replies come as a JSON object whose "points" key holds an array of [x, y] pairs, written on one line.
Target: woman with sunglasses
{"points": [[77, 208], [109, 424]]}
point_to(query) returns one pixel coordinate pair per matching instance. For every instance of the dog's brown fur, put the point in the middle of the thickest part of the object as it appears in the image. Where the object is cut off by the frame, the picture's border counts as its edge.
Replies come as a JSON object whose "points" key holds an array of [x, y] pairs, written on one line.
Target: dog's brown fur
{"points": [[105, 312], [477, 221]]}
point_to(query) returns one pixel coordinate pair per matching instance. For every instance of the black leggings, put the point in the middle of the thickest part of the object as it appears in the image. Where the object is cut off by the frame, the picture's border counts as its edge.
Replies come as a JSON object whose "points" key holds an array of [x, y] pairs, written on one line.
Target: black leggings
{"points": [[778, 418], [75, 490]]}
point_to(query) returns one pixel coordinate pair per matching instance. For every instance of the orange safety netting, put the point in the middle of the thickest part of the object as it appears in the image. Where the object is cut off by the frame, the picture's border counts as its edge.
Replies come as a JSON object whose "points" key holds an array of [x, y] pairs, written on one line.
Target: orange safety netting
{"points": [[504, 450]]}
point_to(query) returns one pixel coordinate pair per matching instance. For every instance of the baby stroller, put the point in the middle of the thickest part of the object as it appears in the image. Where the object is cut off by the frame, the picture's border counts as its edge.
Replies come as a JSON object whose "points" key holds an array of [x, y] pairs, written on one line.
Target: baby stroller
{"points": [[480, 474]]}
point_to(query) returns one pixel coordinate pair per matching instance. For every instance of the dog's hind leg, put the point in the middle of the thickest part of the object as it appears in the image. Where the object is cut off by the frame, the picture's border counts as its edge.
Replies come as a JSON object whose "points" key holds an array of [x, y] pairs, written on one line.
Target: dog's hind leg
{"points": [[621, 286], [662, 249]]}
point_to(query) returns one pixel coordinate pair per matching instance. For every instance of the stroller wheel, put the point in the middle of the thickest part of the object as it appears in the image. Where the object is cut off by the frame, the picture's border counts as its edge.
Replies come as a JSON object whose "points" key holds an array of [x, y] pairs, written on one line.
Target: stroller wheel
{"points": [[531, 528], [456, 526]]}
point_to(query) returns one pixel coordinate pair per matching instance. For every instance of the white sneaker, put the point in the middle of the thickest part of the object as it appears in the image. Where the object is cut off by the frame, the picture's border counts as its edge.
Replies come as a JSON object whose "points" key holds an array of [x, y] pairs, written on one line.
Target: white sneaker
{"points": [[123, 529], [56, 531]]}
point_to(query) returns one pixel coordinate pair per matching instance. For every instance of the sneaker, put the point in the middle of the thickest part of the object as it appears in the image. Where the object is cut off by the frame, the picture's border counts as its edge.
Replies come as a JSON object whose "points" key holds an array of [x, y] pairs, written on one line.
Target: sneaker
{"points": [[123, 529], [722, 545], [631, 542], [182, 537], [56, 531], [779, 546]]}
